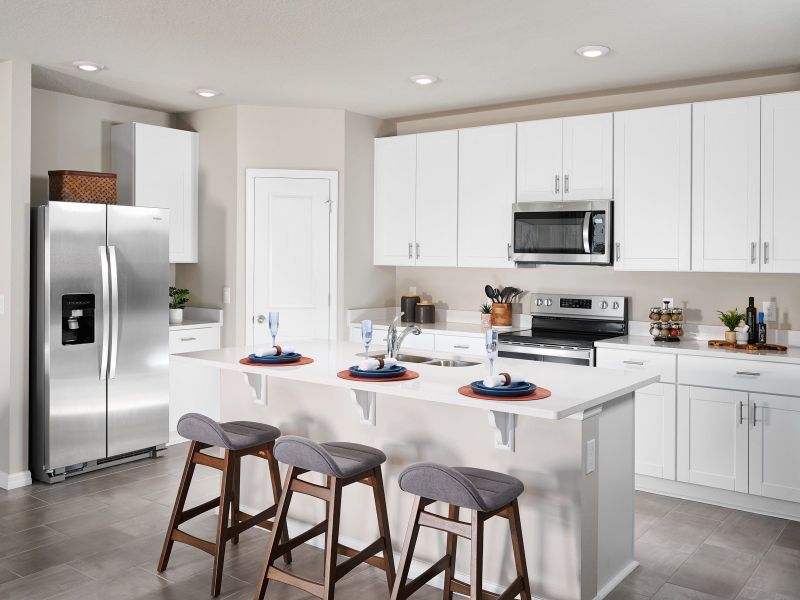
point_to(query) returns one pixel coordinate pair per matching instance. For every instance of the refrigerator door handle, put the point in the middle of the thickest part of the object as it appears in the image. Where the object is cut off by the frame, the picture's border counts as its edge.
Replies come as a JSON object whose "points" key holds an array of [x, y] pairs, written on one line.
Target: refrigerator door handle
{"points": [[103, 251], [112, 254]]}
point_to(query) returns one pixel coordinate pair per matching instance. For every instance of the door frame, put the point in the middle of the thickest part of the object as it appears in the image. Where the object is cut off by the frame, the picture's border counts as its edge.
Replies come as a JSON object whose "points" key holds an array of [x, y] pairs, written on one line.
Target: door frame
{"points": [[333, 229]]}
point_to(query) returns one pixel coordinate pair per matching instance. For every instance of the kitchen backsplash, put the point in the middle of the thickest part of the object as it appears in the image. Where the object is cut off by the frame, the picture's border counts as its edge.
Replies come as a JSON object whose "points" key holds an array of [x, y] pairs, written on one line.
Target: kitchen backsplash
{"points": [[702, 294]]}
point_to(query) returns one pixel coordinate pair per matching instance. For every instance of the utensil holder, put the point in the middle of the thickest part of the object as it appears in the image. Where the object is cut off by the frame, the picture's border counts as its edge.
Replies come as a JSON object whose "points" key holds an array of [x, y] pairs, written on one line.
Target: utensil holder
{"points": [[501, 314]]}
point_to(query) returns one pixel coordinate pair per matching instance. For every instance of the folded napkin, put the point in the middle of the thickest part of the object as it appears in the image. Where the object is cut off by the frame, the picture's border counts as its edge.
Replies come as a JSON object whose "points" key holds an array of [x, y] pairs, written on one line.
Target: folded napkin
{"points": [[273, 351], [500, 380], [373, 364]]}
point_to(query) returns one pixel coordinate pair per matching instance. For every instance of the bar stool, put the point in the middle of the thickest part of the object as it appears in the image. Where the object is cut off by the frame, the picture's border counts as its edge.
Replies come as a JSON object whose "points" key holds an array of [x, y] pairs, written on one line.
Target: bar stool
{"points": [[343, 464], [485, 494], [238, 439]]}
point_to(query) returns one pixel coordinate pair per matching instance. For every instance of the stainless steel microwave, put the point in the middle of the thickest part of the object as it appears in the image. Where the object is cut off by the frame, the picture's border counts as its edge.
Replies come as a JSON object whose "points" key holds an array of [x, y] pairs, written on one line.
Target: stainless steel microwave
{"points": [[563, 232]]}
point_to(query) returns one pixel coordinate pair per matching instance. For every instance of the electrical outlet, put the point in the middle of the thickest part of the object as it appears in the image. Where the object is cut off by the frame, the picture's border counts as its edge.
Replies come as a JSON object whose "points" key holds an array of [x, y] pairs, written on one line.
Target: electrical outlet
{"points": [[591, 456], [770, 310], [226, 295]]}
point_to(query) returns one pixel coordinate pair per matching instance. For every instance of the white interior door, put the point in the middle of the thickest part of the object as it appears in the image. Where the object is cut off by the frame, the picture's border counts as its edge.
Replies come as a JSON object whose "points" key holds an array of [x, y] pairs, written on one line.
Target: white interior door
{"points": [[291, 258]]}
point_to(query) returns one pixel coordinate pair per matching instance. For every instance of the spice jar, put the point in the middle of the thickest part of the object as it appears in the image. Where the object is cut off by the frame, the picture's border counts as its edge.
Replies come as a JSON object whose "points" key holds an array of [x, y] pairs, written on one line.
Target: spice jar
{"points": [[655, 314], [666, 315], [654, 329], [675, 330], [664, 331], [677, 314]]}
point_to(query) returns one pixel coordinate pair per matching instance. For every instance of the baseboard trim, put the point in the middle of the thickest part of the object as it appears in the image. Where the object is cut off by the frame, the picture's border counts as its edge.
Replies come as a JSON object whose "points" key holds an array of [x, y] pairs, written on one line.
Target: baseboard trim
{"points": [[12, 481], [616, 580]]}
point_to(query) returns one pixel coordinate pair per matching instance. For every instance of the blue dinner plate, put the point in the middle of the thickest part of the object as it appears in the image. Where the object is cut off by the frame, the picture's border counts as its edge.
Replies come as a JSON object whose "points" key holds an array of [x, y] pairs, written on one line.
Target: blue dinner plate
{"points": [[289, 357], [521, 388], [384, 373]]}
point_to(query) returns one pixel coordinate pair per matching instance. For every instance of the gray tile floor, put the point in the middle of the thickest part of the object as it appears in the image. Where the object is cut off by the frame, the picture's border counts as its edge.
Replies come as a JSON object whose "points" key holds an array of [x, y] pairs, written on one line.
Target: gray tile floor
{"points": [[99, 536]]}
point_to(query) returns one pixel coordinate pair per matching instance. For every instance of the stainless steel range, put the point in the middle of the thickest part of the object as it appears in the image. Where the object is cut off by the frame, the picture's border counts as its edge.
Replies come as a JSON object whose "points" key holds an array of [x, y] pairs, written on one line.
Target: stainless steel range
{"points": [[565, 328]]}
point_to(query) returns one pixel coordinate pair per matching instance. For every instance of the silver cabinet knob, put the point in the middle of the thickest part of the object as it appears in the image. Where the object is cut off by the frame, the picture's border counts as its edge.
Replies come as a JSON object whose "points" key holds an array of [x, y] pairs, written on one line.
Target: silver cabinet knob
{"points": [[261, 318]]}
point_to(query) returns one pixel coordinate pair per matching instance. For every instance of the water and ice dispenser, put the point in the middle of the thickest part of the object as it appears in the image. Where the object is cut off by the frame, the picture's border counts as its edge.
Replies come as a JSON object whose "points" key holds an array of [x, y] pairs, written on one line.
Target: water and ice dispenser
{"points": [[77, 319]]}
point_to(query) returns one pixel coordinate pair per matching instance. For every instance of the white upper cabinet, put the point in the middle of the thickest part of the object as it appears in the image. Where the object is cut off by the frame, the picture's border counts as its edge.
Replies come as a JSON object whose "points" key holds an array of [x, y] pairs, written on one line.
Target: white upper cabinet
{"points": [[780, 182], [395, 191], [726, 191], [589, 157], [565, 159], [157, 167], [652, 187], [437, 199], [486, 184]]}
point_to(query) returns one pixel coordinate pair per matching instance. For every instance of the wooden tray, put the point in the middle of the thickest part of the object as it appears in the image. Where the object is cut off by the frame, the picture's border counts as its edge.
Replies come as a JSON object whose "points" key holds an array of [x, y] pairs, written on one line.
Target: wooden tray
{"points": [[538, 394], [745, 347], [303, 360], [404, 377]]}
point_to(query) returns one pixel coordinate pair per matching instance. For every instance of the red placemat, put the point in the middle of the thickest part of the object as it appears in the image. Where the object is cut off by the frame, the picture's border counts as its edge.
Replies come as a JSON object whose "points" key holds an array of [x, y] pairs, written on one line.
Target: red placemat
{"points": [[538, 394], [404, 377], [304, 360]]}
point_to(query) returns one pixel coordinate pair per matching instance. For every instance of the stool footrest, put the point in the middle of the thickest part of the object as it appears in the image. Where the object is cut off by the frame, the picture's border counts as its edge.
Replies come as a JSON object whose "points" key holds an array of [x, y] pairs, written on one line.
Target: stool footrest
{"points": [[200, 544], [359, 556], [311, 489], [198, 510], [511, 591], [412, 586], [208, 461], [246, 521], [307, 585], [308, 534], [454, 526]]}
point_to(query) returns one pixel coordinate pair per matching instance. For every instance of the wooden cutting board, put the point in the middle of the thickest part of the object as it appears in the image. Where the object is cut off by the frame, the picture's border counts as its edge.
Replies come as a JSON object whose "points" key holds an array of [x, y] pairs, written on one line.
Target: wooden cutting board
{"points": [[745, 347]]}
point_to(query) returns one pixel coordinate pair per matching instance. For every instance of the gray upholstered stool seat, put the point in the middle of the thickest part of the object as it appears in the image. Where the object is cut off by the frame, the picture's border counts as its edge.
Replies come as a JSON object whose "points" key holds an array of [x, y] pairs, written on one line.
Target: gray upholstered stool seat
{"points": [[337, 459], [475, 489], [236, 435]]}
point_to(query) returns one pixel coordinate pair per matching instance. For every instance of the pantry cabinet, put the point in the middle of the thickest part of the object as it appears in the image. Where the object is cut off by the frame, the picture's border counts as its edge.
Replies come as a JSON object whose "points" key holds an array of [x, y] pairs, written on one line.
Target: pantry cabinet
{"points": [[486, 193], [652, 188], [158, 167], [565, 159], [726, 190]]}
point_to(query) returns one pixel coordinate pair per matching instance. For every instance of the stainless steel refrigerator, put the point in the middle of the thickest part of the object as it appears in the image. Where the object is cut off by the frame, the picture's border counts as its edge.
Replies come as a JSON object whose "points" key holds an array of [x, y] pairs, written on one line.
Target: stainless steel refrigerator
{"points": [[99, 336]]}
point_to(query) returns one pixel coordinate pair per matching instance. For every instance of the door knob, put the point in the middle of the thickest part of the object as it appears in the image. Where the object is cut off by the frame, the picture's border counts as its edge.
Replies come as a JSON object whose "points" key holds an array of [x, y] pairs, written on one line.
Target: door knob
{"points": [[261, 318]]}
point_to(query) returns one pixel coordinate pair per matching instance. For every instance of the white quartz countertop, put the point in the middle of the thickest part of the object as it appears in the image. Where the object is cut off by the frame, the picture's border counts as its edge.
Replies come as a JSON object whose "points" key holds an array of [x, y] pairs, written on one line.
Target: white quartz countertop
{"points": [[698, 348], [574, 389], [194, 324], [444, 327]]}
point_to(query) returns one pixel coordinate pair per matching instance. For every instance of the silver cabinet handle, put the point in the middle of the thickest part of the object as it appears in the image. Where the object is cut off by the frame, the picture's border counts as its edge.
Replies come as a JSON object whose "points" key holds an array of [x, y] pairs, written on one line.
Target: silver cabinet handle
{"points": [[103, 251], [741, 412], [410, 252], [749, 373], [461, 347], [566, 184], [752, 253], [557, 177], [633, 362], [261, 318], [754, 414], [766, 252], [617, 246], [188, 339], [417, 250], [112, 255], [508, 250]]}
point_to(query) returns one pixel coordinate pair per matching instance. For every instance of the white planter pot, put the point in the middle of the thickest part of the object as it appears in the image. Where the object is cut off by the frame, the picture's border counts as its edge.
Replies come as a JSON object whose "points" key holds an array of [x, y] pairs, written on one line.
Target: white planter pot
{"points": [[175, 316]]}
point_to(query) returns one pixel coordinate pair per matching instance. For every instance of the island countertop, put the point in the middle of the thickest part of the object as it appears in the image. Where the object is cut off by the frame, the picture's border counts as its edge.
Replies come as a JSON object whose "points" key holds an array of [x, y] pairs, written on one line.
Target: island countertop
{"points": [[574, 388]]}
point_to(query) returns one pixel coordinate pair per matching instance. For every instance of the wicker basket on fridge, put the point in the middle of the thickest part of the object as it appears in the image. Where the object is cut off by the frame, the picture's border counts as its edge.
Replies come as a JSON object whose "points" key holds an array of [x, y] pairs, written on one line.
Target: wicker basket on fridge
{"points": [[83, 186]]}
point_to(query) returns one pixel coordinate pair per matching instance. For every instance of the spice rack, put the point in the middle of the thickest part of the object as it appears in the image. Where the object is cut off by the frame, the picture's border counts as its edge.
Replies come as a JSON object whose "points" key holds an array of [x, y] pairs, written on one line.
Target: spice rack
{"points": [[666, 322]]}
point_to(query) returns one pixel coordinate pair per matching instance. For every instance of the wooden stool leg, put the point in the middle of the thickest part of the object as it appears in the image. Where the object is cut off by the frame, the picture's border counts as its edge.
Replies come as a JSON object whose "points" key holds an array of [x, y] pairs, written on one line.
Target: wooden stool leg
{"points": [[235, 498], [180, 502], [278, 531], [275, 479], [226, 493], [452, 546], [383, 527], [518, 546], [332, 537], [398, 593], [476, 567]]}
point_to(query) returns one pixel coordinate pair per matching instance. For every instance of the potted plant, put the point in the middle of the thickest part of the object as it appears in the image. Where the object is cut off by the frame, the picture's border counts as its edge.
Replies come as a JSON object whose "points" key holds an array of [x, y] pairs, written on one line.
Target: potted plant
{"points": [[486, 316], [178, 297], [731, 320]]}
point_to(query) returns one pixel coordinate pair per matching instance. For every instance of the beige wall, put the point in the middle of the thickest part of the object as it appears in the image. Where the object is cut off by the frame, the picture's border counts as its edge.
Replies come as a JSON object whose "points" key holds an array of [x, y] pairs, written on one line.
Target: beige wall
{"points": [[70, 132], [15, 153], [702, 293]]}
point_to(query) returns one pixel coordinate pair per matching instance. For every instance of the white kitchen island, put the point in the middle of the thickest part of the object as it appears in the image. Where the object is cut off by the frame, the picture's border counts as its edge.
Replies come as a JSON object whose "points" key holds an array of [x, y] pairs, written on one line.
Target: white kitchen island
{"points": [[573, 451]]}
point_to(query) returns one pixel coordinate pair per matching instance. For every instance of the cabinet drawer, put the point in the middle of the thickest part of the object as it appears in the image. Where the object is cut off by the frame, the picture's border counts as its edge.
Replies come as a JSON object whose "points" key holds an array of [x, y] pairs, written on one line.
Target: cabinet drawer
{"points": [[460, 345], [734, 374], [638, 362], [193, 340]]}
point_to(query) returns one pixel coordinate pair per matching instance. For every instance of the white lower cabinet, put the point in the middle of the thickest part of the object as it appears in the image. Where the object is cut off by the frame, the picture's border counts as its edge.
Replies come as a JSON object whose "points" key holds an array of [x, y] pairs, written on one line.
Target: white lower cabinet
{"points": [[775, 446], [655, 431]]}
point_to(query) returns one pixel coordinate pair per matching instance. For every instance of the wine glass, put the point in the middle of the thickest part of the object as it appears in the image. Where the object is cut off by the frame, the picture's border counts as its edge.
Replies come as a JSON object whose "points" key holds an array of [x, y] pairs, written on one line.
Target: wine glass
{"points": [[366, 334], [273, 325], [491, 349]]}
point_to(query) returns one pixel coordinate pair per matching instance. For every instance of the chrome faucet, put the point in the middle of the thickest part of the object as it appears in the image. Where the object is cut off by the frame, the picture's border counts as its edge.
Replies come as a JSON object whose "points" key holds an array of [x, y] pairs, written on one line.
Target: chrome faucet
{"points": [[393, 341]]}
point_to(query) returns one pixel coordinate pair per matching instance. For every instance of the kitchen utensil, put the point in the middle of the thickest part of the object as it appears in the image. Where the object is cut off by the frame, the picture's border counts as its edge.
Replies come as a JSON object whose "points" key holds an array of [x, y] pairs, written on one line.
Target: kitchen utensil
{"points": [[520, 388], [281, 358], [489, 290], [384, 373]]}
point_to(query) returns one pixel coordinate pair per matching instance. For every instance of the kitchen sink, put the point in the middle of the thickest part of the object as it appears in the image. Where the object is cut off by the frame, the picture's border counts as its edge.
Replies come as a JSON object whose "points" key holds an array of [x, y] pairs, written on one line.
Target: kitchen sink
{"points": [[427, 360]]}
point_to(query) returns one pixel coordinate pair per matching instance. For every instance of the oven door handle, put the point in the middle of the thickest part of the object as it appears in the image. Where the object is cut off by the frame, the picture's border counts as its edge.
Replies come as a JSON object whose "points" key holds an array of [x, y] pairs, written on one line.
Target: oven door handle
{"points": [[587, 219], [542, 351]]}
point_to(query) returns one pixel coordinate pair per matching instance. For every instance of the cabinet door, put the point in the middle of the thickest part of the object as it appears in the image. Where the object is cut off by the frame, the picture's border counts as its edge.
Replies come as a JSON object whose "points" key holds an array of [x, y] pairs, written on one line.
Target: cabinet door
{"points": [[588, 157], [395, 189], [486, 182], [726, 191], [712, 437], [165, 176], [655, 430], [775, 446], [780, 182], [539, 160], [652, 187], [437, 199]]}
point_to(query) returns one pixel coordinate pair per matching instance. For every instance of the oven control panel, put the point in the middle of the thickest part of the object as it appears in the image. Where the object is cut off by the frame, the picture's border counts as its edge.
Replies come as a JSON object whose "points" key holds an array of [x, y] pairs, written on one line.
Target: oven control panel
{"points": [[605, 307]]}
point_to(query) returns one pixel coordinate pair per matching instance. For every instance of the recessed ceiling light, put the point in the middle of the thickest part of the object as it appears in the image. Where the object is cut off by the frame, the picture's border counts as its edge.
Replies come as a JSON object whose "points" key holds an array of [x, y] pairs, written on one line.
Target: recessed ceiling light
{"points": [[206, 93], [88, 66], [424, 79], [592, 51]]}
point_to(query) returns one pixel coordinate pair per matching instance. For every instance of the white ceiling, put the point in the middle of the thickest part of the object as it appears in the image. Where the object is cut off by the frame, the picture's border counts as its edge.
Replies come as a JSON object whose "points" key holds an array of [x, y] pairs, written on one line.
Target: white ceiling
{"points": [[358, 54]]}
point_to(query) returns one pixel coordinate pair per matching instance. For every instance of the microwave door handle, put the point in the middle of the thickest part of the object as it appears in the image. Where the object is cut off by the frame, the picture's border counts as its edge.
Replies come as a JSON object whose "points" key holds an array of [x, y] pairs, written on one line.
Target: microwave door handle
{"points": [[587, 219]]}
